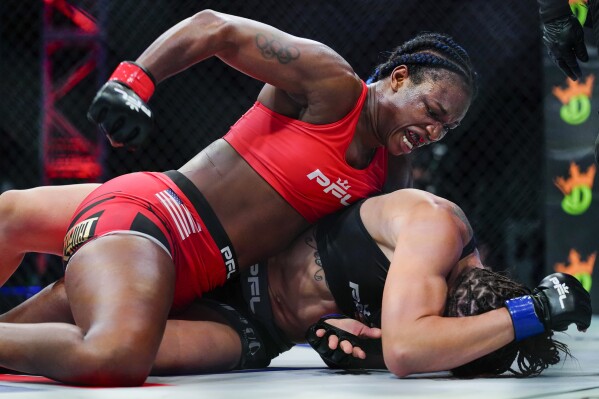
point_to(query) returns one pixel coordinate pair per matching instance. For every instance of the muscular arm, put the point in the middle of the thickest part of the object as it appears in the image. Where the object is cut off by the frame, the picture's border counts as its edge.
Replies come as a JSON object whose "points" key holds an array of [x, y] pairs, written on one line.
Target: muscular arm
{"points": [[293, 64], [416, 338]]}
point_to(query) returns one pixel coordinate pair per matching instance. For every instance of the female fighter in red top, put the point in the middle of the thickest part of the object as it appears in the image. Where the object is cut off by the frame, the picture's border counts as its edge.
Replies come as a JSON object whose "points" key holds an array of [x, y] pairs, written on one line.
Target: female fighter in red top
{"points": [[145, 241]]}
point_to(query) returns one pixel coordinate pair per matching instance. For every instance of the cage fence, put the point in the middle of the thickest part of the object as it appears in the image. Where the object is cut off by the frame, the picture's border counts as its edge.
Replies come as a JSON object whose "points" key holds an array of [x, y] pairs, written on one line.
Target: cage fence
{"points": [[55, 54]]}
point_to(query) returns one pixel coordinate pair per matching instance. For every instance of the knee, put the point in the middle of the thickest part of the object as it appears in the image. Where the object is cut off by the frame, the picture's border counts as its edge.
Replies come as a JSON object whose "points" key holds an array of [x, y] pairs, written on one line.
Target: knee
{"points": [[113, 367]]}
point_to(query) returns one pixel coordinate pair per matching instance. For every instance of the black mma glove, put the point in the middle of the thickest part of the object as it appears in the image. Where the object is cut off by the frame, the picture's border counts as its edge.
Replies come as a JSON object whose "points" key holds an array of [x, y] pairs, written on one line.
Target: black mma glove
{"points": [[119, 108], [558, 301], [564, 40], [336, 358]]}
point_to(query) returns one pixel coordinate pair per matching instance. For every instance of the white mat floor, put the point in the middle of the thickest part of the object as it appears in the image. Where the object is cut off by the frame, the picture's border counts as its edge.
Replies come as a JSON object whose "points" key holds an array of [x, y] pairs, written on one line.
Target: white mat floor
{"points": [[300, 373]]}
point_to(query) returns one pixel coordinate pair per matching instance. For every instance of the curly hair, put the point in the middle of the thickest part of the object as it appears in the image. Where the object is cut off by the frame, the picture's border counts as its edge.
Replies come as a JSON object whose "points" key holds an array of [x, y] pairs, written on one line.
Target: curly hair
{"points": [[480, 290], [426, 53]]}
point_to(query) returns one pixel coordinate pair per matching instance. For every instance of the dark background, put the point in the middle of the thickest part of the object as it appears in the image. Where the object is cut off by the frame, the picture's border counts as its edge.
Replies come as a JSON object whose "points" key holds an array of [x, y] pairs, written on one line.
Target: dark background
{"points": [[492, 165]]}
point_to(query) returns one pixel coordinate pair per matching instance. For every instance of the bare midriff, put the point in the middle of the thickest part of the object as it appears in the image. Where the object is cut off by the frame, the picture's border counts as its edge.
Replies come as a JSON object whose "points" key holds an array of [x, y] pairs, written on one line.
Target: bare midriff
{"points": [[258, 221]]}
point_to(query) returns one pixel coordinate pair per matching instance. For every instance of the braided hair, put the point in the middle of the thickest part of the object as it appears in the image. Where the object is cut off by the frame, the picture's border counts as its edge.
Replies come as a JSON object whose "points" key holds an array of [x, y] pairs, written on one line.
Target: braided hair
{"points": [[481, 290], [426, 53]]}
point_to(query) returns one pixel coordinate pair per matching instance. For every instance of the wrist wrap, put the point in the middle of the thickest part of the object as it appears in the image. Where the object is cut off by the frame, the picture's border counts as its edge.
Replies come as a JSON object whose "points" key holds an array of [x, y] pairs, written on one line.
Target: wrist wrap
{"points": [[524, 319], [136, 78], [334, 316]]}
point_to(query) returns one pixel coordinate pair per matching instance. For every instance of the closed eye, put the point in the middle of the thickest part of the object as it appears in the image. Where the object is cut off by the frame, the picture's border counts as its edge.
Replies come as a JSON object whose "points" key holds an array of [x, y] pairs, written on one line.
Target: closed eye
{"points": [[434, 115]]}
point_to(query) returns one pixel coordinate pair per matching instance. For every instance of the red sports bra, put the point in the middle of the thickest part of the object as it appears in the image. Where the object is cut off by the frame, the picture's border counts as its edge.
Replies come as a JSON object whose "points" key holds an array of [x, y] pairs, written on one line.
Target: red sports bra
{"points": [[305, 163]]}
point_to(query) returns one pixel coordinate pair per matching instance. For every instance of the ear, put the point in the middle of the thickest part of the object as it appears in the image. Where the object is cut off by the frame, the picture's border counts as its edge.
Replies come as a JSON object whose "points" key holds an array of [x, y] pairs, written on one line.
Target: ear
{"points": [[399, 77]]}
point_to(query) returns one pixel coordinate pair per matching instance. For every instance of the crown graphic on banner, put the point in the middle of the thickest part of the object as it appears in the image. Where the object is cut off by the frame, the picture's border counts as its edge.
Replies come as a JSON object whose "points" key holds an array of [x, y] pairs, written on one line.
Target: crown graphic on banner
{"points": [[576, 265], [574, 89], [576, 179]]}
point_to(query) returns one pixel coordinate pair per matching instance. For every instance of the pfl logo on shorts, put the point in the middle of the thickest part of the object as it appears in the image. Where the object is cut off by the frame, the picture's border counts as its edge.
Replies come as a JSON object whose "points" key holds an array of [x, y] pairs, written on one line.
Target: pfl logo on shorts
{"points": [[77, 235], [577, 189], [254, 282], [229, 261]]}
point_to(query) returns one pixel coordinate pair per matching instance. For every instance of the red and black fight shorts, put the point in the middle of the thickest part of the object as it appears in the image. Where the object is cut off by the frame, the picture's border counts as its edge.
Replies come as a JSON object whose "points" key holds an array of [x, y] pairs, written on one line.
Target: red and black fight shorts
{"points": [[168, 209]]}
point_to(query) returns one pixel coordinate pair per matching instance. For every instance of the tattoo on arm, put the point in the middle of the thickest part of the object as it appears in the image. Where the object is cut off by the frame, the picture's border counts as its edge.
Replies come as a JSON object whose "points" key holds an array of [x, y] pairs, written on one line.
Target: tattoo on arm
{"points": [[272, 48]]}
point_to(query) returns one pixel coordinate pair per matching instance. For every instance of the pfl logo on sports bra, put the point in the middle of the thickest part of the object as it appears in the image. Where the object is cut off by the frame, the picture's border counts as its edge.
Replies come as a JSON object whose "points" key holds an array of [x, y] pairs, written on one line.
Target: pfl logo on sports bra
{"points": [[338, 189]]}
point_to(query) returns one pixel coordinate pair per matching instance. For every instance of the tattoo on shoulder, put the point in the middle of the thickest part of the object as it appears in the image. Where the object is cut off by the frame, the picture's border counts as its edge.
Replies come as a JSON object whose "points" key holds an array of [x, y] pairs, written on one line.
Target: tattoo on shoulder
{"points": [[272, 48], [460, 214]]}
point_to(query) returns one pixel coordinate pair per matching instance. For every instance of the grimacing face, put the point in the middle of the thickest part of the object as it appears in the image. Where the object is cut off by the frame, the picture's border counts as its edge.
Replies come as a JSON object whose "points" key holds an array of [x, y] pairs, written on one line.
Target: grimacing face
{"points": [[414, 115]]}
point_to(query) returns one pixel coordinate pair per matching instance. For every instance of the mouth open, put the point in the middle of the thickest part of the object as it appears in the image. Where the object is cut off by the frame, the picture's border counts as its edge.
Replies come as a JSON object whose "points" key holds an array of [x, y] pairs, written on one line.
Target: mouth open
{"points": [[412, 140]]}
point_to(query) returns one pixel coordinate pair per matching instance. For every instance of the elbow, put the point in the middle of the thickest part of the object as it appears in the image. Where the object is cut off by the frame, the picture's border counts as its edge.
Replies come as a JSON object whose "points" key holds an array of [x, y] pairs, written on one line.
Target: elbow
{"points": [[399, 360], [216, 25], [206, 17]]}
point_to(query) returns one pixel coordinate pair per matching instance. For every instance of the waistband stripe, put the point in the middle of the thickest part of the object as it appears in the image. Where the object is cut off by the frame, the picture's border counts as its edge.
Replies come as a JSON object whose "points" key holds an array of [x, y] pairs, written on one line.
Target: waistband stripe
{"points": [[207, 215]]}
